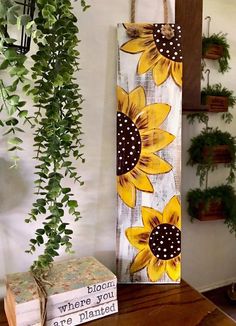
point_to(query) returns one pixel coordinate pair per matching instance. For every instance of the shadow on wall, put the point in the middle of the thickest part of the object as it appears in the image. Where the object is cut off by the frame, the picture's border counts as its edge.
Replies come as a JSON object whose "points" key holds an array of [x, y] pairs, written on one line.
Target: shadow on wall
{"points": [[13, 187]]}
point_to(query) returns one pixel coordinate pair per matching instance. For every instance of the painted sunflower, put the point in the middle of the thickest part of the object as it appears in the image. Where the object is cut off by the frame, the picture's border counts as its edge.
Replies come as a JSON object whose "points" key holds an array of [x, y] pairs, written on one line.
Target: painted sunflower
{"points": [[158, 242], [162, 56], [138, 138]]}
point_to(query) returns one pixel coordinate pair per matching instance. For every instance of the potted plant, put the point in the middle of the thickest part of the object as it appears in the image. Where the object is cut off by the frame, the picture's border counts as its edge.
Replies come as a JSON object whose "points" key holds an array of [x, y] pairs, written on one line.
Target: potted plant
{"points": [[216, 47], [217, 98], [213, 203], [211, 147]]}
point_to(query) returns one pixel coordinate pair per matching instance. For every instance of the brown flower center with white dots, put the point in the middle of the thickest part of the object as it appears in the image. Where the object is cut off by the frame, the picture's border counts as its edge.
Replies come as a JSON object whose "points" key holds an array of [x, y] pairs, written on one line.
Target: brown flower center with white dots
{"points": [[165, 241], [170, 49], [128, 144]]}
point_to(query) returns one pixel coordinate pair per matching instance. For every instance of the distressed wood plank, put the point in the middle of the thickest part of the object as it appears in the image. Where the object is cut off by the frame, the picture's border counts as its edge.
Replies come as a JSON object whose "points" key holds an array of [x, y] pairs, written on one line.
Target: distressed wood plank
{"points": [[165, 185]]}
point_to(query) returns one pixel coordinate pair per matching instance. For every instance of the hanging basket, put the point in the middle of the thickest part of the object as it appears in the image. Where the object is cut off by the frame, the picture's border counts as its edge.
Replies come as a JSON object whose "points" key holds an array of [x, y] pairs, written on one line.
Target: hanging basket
{"points": [[218, 154], [211, 211], [216, 103], [214, 52]]}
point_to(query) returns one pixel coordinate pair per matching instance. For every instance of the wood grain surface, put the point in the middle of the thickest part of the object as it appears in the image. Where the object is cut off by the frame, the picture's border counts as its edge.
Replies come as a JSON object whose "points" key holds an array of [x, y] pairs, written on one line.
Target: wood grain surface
{"points": [[165, 305], [189, 16]]}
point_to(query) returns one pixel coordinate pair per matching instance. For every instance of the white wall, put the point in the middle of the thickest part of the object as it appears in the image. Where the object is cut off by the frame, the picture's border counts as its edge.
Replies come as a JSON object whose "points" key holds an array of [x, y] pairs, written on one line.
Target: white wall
{"points": [[209, 254]]}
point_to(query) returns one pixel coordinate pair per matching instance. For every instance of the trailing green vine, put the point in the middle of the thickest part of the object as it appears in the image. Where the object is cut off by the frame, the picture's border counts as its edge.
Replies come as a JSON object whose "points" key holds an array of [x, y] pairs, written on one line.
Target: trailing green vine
{"points": [[58, 133], [57, 118]]}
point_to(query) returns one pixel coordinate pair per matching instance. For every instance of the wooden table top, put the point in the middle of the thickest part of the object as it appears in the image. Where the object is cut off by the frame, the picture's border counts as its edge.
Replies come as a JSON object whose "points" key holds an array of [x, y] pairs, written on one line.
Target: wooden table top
{"points": [[164, 305]]}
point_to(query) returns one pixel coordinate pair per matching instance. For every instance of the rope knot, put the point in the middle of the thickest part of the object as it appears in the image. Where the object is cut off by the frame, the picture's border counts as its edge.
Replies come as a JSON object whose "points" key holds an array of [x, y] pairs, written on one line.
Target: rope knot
{"points": [[134, 31], [167, 31]]}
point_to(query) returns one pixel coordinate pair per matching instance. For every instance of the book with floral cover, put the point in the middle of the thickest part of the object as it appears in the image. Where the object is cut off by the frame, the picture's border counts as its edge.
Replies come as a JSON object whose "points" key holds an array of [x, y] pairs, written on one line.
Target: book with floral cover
{"points": [[77, 284]]}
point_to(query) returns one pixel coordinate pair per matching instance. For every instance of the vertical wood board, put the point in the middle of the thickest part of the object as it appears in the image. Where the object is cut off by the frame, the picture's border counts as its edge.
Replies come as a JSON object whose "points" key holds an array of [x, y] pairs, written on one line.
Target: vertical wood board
{"points": [[149, 99]]}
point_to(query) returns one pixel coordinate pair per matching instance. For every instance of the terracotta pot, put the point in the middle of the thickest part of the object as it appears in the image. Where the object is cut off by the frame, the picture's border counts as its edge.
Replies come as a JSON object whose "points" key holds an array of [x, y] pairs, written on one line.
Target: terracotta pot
{"points": [[214, 52], [214, 211], [216, 103], [219, 154]]}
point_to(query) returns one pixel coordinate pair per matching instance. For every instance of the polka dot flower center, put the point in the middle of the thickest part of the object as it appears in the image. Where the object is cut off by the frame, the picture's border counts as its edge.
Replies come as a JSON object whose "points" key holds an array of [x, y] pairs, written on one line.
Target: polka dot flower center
{"points": [[164, 241], [128, 144], [170, 49]]}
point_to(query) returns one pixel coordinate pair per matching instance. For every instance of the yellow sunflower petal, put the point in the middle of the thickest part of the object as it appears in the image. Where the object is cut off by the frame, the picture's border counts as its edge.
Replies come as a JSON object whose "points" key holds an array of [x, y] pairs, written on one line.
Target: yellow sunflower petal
{"points": [[122, 99], [152, 164], [177, 72], [156, 139], [126, 190], [138, 237], [136, 45], [173, 268], [172, 212], [156, 269], [148, 59], [152, 116], [141, 260], [161, 71], [140, 180], [137, 101], [151, 218]]}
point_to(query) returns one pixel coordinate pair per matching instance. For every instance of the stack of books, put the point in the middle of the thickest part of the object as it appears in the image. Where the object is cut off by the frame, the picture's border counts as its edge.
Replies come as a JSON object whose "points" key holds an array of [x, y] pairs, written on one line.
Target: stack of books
{"points": [[82, 290]]}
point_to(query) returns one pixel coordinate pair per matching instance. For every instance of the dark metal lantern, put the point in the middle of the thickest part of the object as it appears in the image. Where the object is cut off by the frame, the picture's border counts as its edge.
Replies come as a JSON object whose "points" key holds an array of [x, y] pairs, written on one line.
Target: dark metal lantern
{"points": [[23, 41]]}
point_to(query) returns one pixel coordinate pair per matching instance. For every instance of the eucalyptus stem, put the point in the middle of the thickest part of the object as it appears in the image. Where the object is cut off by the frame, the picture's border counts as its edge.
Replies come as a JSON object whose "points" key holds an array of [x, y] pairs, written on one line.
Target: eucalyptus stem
{"points": [[58, 134]]}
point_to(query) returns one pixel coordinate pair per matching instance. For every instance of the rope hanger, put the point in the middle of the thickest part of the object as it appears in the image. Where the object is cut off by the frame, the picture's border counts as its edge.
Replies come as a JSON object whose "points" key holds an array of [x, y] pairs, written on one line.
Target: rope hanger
{"points": [[166, 29]]}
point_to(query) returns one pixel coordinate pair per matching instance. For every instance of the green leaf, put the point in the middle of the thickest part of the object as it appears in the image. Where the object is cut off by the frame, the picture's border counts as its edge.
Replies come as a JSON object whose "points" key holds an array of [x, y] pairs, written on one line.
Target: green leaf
{"points": [[58, 81], [39, 239], [23, 113], [11, 54], [12, 122], [66, 190], [65, 198], [13, 100], [40, 231], [72, 203], [4, 7], [12, 14], [15, 141], [62, 227], [26, 87], [68, 232], [4, 64]]}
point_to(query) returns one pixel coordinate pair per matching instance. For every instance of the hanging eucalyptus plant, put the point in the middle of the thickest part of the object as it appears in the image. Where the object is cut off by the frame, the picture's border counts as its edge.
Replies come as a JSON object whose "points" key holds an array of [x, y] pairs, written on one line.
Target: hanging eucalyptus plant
{"points": [[56, 120]]}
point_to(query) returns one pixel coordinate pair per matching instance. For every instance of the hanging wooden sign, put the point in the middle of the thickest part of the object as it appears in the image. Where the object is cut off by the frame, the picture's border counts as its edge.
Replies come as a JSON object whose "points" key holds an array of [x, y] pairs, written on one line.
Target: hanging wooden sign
{"points": [[149, 96]]}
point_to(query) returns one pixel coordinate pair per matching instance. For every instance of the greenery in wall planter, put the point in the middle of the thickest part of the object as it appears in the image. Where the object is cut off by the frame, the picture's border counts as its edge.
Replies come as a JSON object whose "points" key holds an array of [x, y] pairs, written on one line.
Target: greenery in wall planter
{"points": [[211, 147], [218, 99], [56, 120], [213, 203], [216, 47]]}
